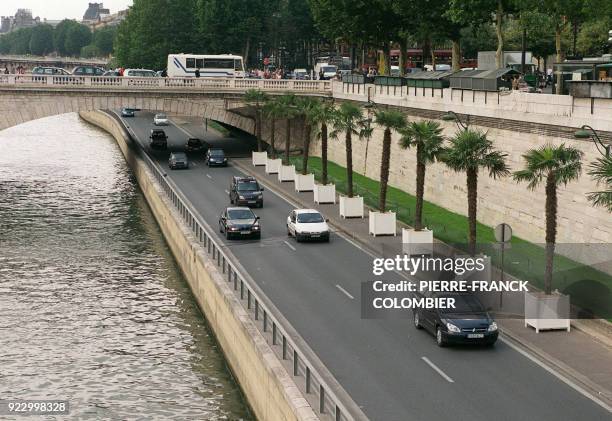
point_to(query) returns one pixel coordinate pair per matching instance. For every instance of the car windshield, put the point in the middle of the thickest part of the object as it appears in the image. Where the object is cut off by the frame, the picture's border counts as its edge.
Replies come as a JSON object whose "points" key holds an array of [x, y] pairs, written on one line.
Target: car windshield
{"points": [[307, 218], [247, 186], [216, 152], [240, 214], [180, 156], [160, 116], [464, 304], [329, 69]]}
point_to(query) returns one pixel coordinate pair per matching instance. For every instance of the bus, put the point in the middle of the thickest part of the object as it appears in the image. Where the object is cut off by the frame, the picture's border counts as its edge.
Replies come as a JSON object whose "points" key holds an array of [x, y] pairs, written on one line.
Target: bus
{"points": [[222, 65]]}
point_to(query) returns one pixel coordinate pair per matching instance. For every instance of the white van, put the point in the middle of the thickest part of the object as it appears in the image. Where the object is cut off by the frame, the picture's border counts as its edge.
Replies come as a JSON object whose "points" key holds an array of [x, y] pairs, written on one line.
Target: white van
{"points": [[139, 73], [329, 71]]}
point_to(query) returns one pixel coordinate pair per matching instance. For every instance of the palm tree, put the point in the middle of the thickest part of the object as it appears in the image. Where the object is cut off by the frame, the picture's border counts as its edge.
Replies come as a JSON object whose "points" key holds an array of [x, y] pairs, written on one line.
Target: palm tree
{"points": [[273, 110], [287, 102], [556, 165], [427, 137], [348, 120], [601, 171], [390, 120], [310, 108], [322, 116], [471, 150], [257, 98]]}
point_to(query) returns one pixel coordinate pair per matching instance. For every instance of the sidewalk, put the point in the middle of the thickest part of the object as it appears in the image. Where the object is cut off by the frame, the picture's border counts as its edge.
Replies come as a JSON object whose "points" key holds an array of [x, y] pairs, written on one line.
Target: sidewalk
{"points": [[583, 355]]}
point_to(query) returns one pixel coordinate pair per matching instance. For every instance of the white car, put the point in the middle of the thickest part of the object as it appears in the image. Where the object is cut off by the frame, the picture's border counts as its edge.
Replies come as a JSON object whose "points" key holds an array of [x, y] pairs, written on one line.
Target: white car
{"points": [[307, 224], [160, 120]]}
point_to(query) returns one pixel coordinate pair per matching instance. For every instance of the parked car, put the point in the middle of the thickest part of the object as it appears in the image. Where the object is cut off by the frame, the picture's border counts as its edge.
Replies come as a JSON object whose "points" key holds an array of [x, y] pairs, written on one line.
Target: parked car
{"points": [[49, 71], [239, 221], [178, 160], [467, 323], [159, 140], [111, 73], [194, 144], [301, 74], [88, 71], [139, 73], [245, 191], [127, 112], [307, 224], [160, 119], [215, 156]]}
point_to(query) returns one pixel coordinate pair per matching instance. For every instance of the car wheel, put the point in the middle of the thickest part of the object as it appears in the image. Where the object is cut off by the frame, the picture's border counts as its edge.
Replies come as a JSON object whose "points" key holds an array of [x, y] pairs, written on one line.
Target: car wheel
{"points": [[417, 320], [231, 200], [439, 338], [220, 227], [227, 235], [288, 232], [298, 238]]}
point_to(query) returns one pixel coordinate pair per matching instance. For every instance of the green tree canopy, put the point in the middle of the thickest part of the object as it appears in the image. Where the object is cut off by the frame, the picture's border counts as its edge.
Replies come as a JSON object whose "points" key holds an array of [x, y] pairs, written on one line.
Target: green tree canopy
{"points": [[41, 41], [77, 37]]}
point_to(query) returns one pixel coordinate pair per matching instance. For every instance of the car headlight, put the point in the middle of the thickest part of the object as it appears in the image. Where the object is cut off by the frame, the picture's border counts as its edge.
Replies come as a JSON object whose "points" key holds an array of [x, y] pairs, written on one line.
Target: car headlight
{"points": [[492, 327], [240, 197], [256, 227], [224, 159], [233, 228], [452, 328]]}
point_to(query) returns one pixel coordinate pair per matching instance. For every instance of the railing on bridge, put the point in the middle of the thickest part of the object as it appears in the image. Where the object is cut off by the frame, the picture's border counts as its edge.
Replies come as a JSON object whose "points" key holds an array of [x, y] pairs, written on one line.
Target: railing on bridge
{"points": [[101, 82], [325, 395]]}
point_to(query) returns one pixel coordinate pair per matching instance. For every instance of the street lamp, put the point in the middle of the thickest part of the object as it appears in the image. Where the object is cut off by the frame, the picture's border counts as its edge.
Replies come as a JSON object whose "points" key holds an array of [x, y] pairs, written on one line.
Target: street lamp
{"points": [[453, 116], [587, 132]]}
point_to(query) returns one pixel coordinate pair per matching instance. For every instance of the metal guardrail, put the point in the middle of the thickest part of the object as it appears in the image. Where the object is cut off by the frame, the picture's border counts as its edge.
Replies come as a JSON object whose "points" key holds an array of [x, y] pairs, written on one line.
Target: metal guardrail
{"points": [[314, 378], [188, 83]]}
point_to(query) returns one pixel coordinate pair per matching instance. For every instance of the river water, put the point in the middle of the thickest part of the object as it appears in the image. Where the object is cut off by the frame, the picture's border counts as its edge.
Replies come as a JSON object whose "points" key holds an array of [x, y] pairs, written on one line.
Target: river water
{"points": [[93, 308]]}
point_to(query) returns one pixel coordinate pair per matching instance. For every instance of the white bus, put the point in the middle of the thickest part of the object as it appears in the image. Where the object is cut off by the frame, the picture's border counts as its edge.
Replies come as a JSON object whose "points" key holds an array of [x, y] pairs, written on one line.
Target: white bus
{"points": [[223, 65]]}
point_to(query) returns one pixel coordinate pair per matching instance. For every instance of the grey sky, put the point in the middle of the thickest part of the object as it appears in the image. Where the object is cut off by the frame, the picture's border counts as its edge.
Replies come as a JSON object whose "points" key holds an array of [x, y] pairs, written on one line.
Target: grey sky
{"points": [[58, 9]]}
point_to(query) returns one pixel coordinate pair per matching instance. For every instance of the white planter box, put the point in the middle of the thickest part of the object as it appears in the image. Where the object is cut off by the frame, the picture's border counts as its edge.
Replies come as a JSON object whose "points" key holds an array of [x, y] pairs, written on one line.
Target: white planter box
{"points": [[382, 223], [304, 182], [260, 158], [325, 193], [417, 242], [351, 207], [544, 312], [273, 165], [286, 173]]}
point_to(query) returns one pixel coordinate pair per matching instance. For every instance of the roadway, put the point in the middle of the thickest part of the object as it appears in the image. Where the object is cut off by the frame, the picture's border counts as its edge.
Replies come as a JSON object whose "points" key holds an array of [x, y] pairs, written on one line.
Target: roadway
{"points": [[391, 370]]}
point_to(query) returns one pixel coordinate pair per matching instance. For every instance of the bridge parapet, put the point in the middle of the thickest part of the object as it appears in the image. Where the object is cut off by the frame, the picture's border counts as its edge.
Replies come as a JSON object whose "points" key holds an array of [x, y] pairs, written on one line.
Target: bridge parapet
{"points": [[66, 82]]}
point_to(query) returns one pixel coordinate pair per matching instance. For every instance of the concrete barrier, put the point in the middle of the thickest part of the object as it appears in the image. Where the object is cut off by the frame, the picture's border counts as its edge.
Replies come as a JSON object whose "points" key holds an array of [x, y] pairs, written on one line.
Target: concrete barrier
{"points": [[268, 387]]}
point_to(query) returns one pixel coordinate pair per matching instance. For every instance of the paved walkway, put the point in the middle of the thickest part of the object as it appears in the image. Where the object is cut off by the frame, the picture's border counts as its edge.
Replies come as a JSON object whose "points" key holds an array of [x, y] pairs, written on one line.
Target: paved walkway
{"points": [[582, 357]]}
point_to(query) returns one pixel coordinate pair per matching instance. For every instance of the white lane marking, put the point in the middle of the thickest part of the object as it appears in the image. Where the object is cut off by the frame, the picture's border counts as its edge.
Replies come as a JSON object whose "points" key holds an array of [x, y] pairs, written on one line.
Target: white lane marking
{"points": [[289, 245], [560, 376], [345, 292], [208, 175], [438, 370]]}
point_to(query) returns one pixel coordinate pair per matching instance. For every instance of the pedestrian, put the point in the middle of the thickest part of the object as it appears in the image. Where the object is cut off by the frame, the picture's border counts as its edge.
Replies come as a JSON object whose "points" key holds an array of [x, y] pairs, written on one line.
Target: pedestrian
{"points": [[321, 74], [164, 73], [6, 70], [197, 72]]}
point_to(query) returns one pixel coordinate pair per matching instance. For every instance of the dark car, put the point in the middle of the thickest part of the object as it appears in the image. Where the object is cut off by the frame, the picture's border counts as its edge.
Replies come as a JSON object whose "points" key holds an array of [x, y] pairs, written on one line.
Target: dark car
{"points": [[127, 112], [194, 144], [239, 222], [467, 323], [215, 156], [178, 160], [49, 71], [159, 140], [88, 71], [245, 191]]}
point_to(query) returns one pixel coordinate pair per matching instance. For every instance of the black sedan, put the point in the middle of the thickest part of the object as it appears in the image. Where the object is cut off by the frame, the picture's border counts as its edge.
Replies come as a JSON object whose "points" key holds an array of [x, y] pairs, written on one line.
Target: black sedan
{"points": [[467, 323], [215, 156], [239, 222], [127, 112], [178, 160]]}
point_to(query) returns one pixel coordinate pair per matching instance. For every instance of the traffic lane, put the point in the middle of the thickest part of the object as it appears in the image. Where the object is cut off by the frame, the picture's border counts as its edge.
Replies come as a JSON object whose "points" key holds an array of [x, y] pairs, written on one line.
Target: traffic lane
{"points": [[323, 332]]}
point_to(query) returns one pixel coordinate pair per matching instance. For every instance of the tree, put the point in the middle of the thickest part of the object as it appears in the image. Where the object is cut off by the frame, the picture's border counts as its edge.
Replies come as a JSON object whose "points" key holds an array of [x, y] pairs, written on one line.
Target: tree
{"points": [[321, 117], [469, 151], [59, 35], [479, 12], [77, 37], [601, 171], [287, 103], [256, 98], [41, 41], [310, 108], [273, 110], [427, 137], [103, 39], [348, 120], [90, 51], [555, 165], [390, 120]]}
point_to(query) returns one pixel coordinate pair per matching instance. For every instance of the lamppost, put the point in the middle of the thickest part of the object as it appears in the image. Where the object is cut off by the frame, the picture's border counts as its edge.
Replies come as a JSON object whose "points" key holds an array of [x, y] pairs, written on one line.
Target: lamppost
{"points": [[453, 116], [587, 132]]}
